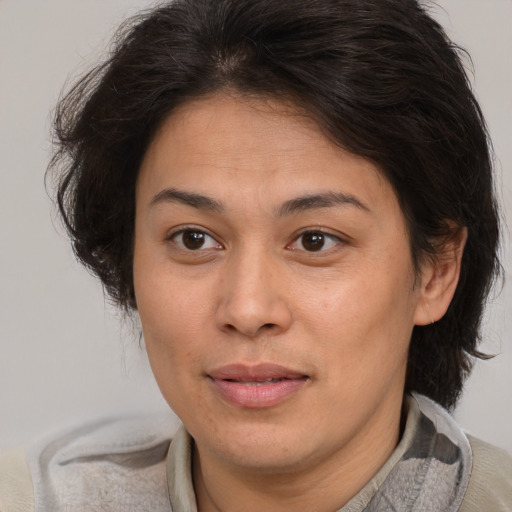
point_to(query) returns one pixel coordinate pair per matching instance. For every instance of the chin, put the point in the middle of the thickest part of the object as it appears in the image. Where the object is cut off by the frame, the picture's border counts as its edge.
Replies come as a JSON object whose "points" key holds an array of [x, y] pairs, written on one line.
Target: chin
{"points": [[277, 447]]}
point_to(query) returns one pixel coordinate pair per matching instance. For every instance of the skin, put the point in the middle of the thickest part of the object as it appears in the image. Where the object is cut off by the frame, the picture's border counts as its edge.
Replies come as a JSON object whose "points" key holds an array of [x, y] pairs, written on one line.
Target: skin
{"points": [[255, 292]]}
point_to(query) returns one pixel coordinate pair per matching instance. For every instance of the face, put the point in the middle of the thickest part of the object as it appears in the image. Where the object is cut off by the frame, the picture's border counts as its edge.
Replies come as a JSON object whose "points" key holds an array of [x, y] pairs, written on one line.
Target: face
{"points": [[274, 283]]}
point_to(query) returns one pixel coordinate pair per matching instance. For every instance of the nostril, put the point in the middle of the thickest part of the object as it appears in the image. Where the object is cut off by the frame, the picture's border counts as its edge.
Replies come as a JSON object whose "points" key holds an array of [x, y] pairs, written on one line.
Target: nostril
{"points": [[250, 331]]}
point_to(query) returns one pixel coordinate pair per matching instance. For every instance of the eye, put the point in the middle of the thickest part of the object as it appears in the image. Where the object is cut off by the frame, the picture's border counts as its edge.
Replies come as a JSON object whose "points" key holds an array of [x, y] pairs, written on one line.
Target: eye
{"points": [[315, 241], [194, 239]]}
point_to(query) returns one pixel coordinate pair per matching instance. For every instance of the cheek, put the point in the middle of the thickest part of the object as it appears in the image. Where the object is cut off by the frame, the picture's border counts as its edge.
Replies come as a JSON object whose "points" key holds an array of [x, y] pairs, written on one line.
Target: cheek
{"points": [[176, 317], [170, 320], [159, 309], [362, 321], [161, 300], [358, 302], [170, 326]]}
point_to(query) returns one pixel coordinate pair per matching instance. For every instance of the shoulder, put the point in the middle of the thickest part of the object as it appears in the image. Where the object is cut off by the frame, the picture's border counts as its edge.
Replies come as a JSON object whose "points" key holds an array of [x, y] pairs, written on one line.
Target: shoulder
{"points": [[120, 461], [490, 486], [16, 492]]}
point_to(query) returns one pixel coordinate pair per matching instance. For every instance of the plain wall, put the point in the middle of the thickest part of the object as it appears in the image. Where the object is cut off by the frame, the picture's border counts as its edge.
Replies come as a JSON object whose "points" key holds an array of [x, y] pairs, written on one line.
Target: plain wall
{"points": [[64, 354]]}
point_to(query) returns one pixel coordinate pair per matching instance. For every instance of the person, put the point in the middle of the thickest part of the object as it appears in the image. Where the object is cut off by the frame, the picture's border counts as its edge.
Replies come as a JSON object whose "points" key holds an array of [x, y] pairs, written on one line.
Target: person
{"points": [[296, 198]]}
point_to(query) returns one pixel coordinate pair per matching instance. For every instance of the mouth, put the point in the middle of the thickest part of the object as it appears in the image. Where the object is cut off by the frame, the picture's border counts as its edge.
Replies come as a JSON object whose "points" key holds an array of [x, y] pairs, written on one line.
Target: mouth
{"points": [[257, 382], [256, 387]]}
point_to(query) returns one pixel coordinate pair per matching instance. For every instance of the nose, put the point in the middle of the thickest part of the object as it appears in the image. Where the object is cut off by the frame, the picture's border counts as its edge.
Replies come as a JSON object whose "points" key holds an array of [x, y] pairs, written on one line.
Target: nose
{"points": [[253, 297]]}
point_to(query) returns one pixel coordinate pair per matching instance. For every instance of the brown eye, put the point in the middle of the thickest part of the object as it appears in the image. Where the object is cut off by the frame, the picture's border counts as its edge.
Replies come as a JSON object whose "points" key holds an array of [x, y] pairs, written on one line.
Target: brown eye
{"points": [[313, 241], [194, 239]]}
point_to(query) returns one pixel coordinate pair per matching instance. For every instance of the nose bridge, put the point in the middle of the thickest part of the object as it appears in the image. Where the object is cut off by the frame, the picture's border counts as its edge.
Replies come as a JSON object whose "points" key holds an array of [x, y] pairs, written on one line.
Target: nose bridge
{"points": [[251, 299]]}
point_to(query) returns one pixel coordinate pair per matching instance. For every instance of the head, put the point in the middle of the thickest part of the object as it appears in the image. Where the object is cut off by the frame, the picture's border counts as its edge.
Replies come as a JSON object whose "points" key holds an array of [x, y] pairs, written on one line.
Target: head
{"points": [[378, 78]]}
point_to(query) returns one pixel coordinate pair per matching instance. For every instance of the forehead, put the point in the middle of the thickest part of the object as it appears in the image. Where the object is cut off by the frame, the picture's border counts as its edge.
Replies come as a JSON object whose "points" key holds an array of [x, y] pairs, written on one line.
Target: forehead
{"points": [[253, 155], [234, 127], [238, 144]]}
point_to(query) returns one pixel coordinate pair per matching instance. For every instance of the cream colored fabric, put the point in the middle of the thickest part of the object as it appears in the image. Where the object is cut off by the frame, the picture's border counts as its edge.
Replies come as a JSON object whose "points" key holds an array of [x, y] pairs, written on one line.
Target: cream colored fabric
{"points": [[16, 492], [111, 465], [490, 487], [179, 472]]}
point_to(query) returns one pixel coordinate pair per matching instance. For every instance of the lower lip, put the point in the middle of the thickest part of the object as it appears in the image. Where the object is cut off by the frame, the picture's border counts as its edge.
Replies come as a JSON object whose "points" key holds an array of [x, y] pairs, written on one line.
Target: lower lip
{"points": [[257, 396]]}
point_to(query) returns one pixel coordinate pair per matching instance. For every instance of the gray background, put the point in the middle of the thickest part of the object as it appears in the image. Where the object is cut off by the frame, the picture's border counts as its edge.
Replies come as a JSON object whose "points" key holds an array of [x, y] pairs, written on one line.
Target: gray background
{"points": [[65, 355]]}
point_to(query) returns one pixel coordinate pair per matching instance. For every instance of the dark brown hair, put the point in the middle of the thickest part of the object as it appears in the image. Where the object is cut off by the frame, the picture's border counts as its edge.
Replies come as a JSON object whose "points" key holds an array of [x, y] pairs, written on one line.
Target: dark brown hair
{"points": [[380, 76]]}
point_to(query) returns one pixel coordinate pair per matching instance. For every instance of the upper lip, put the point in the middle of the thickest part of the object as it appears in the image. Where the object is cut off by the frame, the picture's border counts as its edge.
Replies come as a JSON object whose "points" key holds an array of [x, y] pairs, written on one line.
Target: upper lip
{"points": [[243, 372]]}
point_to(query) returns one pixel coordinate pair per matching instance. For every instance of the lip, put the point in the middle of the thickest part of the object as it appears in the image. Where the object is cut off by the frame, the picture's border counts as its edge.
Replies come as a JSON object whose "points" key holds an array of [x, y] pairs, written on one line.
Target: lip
{"points": [[258, 386]]}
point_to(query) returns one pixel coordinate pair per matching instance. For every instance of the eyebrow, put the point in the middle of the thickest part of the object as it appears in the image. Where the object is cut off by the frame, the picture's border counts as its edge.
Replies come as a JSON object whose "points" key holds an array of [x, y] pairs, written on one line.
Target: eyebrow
{"points": [[296, 205], [316, 201], [199, 201]]}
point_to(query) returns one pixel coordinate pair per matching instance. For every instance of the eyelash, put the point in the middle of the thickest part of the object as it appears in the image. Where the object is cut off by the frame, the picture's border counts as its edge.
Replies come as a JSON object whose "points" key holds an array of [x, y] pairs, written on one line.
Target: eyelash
{"points": [[317, 236]]}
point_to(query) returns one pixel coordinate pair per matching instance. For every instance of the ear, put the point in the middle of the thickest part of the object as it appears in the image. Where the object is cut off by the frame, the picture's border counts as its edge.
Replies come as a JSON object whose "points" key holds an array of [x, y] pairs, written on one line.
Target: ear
{"points": [[439, 278]]}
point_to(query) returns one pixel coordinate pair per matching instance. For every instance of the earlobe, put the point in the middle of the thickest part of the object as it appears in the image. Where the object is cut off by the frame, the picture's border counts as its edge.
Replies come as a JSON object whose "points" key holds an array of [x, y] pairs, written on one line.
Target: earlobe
{"points": [[439, 278]]}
